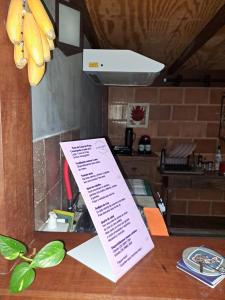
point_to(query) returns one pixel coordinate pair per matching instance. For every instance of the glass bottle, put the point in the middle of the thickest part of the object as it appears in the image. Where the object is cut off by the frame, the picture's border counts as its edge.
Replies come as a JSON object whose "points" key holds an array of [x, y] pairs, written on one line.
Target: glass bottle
{"points": [[218, 158]]}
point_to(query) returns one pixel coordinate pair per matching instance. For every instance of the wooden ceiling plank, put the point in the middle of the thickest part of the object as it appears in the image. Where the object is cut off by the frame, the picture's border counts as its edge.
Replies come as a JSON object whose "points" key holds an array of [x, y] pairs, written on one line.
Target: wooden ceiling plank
{"points": [[87, 24], [208, 31]]}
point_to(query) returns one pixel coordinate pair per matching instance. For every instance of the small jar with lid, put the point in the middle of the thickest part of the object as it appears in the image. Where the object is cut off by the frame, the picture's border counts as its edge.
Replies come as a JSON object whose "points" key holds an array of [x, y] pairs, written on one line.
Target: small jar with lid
{"points": [[144, 146]]}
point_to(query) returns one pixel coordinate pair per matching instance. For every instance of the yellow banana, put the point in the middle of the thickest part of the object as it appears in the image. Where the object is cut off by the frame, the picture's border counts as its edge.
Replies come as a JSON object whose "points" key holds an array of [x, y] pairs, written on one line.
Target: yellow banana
{"points": [[51, 44], [14, 21], [32, 39], [19, 58], [46, 49], [25, 53], [35, 73], [42, 18]]}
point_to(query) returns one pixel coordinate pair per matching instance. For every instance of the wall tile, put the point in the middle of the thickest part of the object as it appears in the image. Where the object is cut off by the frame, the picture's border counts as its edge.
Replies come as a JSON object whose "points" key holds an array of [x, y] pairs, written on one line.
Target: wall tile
{"points": [[185, 113], [199, 208], [218, 208], [48, 175], [176, 141], [186, 194], [212, 129], [66, 136], [159, 112], [205, 145], [158, 144], [178, 207], [40, 213], [192, 130], [117, 111], [52, 153], [39, 171], [215, 95], [187, 131], [117, 140], [196, 95], [152, 129], [146, 94], [71, 135], [54, 197], [117, 128], [171, 95], [210, 194], [208, 113], [168, 129], [121, 94]]}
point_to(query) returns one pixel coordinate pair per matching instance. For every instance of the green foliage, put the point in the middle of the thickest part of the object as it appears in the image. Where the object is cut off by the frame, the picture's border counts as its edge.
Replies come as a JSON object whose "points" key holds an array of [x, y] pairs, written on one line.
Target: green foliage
{"points": [[22, 277], [50, 255], [10, 248], [24, 273]]}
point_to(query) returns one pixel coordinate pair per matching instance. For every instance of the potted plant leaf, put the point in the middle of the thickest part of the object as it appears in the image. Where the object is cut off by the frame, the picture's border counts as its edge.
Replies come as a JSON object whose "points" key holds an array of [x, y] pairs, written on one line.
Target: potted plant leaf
{"points": [[23, 273]]}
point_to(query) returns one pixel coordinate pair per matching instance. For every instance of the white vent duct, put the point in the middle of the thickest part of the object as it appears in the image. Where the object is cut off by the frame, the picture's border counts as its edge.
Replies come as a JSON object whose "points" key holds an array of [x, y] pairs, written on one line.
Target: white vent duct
{"points": [[120, 67]]}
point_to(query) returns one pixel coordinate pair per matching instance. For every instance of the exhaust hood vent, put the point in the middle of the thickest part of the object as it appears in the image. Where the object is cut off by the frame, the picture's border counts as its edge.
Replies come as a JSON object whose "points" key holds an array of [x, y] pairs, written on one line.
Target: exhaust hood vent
{"points": [[120, 67]]}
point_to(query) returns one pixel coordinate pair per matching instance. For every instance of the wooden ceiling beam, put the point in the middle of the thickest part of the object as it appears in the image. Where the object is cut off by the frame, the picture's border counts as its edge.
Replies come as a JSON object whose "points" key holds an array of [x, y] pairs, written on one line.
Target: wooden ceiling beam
{"points": [[87, 24], [208, 31]]}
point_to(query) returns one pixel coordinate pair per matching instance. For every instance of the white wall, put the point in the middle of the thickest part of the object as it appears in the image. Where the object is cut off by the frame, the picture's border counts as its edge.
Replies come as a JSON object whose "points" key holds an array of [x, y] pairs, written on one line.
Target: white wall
{"points": [[66, 98]]}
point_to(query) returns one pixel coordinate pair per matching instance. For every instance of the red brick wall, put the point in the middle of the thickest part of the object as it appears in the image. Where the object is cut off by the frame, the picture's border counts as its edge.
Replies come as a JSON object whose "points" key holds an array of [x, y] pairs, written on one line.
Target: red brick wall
{"points": [[176, 114], [187, 201]]}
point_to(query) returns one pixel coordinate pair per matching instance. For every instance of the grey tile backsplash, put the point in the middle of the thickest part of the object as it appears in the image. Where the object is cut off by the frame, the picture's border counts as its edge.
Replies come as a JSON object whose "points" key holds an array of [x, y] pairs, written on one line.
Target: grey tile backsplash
{"points": [[49, 190]]}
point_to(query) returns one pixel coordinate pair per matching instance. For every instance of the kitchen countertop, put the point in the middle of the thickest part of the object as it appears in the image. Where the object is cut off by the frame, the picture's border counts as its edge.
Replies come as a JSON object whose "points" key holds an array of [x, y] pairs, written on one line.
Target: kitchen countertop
{"points": [[154, 277]]}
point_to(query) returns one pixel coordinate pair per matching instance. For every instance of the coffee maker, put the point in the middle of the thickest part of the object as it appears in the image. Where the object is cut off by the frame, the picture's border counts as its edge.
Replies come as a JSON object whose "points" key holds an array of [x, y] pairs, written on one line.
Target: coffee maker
{"points": [[129, 137], [126, 149]]}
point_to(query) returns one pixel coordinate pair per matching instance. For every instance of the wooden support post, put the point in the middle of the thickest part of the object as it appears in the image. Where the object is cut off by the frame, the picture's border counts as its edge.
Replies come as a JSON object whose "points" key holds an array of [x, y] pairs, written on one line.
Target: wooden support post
{"points": [[16, 179]]}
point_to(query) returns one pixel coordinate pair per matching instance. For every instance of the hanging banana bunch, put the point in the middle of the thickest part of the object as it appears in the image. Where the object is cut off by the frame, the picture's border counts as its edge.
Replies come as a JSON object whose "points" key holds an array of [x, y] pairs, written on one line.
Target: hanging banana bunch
{"points": [[30, 30], [19, 58], [15, 20]]}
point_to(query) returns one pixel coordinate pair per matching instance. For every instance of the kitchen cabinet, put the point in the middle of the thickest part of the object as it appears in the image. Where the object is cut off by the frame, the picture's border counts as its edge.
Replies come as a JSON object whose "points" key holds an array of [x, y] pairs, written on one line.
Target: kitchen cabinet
{"points": [[140, 166]]}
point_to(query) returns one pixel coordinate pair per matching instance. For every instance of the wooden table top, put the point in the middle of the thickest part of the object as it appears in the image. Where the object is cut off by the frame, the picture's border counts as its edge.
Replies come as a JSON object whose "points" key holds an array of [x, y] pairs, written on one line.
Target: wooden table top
{"points": [[154, 277]]}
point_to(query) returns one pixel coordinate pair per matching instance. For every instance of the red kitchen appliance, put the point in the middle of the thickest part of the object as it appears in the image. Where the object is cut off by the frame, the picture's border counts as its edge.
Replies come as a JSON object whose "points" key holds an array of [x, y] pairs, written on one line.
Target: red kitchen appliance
{"points": [[222, 168]]}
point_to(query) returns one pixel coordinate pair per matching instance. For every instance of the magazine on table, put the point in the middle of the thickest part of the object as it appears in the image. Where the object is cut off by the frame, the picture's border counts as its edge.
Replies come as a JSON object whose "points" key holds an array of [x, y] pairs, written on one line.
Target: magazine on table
{"points": [[204, 264]]}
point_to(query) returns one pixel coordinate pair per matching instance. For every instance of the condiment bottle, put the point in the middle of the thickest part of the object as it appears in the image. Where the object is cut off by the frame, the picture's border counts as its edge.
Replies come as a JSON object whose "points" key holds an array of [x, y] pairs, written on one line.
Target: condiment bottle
{"points": [[144, 146], [218, 158]]}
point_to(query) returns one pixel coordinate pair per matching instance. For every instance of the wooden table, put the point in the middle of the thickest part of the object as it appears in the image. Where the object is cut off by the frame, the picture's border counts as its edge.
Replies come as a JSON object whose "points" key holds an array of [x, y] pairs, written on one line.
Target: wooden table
{"points": [[154, 277]]}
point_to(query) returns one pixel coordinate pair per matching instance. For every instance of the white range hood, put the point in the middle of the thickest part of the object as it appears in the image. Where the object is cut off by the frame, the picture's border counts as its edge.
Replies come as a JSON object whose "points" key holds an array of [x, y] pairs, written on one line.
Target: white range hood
{"points": [[120, 67]]}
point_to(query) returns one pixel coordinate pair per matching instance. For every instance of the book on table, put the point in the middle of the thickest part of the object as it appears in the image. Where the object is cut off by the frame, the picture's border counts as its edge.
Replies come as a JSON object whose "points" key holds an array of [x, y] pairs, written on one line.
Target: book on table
{"points": [[203, 264]]}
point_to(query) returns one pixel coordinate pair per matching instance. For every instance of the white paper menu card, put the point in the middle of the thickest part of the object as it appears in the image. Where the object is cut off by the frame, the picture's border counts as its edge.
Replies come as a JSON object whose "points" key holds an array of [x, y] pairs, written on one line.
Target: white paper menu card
{"points": [[121, 231]]}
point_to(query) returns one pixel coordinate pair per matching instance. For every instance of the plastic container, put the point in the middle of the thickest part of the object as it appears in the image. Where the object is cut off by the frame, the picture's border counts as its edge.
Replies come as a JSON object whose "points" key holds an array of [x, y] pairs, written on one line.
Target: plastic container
{"points": [[53, 225]]}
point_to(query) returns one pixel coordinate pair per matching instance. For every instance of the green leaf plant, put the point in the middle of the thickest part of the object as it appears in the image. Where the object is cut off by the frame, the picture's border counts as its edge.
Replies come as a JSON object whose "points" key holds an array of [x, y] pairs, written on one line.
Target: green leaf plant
{"points": [[24, 273]]}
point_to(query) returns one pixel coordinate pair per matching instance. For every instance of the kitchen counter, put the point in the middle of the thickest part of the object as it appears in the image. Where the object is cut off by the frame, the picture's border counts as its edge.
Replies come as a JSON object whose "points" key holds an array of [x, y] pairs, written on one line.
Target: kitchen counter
{"points": [[140, 166], [195, 201], [154, 277]]}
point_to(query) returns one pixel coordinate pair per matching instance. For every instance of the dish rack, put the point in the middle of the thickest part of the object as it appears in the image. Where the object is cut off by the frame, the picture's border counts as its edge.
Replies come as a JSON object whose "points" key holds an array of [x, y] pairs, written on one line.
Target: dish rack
{"points": [[179, 159]]}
